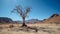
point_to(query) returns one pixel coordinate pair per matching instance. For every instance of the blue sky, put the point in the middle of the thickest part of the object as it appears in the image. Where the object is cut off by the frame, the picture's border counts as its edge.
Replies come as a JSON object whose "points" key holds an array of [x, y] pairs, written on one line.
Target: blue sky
{"points": [[41, 9]]}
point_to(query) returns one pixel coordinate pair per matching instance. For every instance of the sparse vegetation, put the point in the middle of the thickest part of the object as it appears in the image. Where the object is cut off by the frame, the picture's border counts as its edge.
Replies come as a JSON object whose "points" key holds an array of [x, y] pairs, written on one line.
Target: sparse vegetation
{"points": [[44, 29], [11, 26]]}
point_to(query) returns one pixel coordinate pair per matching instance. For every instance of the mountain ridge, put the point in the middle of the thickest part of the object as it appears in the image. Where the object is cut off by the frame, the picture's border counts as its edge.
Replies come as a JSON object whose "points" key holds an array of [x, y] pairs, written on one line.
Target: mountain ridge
{"points": [[55, 18]]}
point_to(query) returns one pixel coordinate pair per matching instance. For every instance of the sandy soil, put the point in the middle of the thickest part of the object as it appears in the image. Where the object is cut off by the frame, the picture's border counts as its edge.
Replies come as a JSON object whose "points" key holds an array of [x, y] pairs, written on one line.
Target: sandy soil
{"points": [[42, 29]]}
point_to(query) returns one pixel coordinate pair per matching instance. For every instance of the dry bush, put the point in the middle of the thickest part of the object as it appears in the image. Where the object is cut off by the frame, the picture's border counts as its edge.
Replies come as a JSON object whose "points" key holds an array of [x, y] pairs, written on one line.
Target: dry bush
{"points": [[11, 26]]}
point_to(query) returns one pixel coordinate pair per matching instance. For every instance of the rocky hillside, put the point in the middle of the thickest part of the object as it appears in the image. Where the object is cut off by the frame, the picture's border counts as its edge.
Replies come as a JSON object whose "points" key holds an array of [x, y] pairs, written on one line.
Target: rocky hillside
{"points": [[9, 20], [55, 18], [33, 21], [5, 20]]}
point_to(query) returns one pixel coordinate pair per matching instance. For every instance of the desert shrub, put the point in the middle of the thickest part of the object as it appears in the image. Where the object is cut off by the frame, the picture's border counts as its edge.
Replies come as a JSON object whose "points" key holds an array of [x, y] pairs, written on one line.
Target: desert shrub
{"points": [[59, 29], [11, 26], [33, 28], [1, 27]]}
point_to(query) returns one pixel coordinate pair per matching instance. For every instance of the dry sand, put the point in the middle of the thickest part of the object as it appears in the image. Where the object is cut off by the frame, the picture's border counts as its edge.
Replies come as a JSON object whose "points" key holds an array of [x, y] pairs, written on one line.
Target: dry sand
{"points": [[42, 29]]}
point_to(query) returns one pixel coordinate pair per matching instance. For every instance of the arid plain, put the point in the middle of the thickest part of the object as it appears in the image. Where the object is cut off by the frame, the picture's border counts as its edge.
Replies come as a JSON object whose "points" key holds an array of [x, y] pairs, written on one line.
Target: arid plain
{"points": [[42, 29]]}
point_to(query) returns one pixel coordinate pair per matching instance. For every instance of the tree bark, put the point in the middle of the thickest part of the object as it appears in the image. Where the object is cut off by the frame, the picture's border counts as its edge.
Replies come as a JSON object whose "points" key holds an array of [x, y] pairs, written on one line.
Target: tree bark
{"points": [[24, 25]]}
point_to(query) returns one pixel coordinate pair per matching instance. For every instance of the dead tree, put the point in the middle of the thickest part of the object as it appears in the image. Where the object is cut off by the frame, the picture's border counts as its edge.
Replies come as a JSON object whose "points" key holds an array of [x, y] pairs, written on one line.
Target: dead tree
{"points": [[23, 14]]}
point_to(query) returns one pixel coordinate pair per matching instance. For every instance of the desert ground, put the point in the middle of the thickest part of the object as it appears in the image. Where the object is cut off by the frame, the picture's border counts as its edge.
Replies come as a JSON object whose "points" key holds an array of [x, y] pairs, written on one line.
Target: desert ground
{"points": [[41, 29]]}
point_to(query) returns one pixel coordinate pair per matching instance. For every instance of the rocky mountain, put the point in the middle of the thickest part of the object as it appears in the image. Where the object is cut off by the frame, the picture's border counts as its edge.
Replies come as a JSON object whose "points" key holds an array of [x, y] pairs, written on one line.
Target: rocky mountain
{"points": [[5, 20], [55, 18], [33, 21], [9, 20], [29, 21]]}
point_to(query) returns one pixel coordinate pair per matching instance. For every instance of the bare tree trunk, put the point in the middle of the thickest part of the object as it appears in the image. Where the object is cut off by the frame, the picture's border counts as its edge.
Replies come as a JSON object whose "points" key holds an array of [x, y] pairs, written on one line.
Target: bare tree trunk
{"points": [[24, 25]]}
